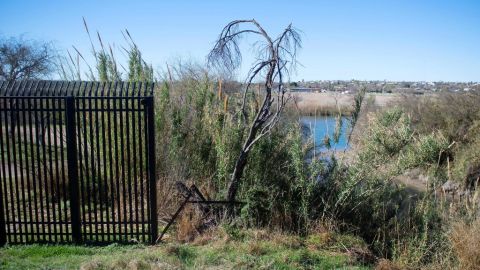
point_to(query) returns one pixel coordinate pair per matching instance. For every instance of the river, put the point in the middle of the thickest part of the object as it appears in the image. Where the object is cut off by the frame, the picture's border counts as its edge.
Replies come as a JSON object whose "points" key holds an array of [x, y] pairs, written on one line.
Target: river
{"points": [[318, 127]]}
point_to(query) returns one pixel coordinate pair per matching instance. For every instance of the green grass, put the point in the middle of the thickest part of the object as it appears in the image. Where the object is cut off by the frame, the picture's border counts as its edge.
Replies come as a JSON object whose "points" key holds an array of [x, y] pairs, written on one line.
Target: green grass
{"points": [[221, 252]]}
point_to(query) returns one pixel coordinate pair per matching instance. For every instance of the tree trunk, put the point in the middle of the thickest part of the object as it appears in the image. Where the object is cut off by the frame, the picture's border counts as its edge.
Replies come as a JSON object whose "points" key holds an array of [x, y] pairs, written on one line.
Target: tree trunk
{"points": [[256, 126], [237, 174]]}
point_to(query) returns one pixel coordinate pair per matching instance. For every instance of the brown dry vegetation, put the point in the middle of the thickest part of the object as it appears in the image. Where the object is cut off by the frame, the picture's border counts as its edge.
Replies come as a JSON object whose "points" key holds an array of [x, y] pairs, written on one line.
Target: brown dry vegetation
{"points": [[331, 103], [465, 239]]}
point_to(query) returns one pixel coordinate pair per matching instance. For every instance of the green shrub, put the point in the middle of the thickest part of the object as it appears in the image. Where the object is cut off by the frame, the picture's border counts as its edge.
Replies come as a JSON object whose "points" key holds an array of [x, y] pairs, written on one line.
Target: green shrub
{"points": [[426, 151], [362, 195], [199, 139], [454, 119]]}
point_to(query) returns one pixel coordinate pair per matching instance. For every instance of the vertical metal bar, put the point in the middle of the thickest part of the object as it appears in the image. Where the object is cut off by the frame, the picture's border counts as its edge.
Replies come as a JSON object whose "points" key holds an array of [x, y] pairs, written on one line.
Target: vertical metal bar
{"points": [[117, 171], [39, 165], [3, 229], [50, 161], [129, 163], [73, 169], [32, 107], [102, 186], [99, 177], [104, 167], [92, 161], [7, 85], [62, 209], [6, 164], [47, 230], [67, 209], [56, 181], [17, 216], [38, 179], [87, 168], [14, 186], [151, 170], [135, 165], [7, 171], [147, 195], [3, 178], [81, 140], [20, 162], [28, 216], [11, 153], [140, 162], [122, 146], [110, 160]]}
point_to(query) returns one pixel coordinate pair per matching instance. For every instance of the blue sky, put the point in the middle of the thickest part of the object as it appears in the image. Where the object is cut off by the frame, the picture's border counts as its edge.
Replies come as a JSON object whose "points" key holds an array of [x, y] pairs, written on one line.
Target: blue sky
{"points": [[391, 39]]}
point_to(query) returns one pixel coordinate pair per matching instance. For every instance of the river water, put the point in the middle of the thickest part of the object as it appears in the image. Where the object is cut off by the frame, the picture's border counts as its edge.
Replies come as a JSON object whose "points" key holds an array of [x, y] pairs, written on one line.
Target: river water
{"points": [[318, 127]]}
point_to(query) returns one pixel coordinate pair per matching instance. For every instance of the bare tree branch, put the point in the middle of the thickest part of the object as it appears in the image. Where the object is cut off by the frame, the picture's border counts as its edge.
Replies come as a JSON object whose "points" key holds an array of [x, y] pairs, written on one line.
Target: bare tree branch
{"points": [[23, 59], [270, 66]]}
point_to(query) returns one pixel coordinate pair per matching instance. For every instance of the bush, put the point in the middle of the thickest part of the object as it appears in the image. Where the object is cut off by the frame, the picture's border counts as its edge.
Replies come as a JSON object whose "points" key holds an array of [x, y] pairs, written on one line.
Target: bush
{"points": [[199, 136], [387, 135], [451, 113], [425, 151], [455, 117], [364, 196]]}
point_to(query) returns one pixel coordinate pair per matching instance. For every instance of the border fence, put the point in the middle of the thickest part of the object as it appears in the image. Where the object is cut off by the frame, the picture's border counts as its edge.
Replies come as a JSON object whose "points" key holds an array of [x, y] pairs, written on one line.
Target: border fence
{"points": [[77, 162]]}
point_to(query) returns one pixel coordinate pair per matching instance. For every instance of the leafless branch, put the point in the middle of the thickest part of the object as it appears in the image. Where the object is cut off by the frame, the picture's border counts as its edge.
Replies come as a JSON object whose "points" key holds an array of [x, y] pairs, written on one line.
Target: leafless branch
{"points": [[270, 67]]}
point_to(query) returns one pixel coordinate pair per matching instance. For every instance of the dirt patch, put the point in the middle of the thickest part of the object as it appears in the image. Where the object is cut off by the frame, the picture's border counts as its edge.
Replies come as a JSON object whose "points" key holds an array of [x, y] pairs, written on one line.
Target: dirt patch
{"points": [[414, 181]]}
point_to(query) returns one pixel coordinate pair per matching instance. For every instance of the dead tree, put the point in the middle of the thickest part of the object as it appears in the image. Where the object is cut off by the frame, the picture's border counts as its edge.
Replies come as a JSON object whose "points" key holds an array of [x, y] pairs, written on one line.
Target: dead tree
{"points": [[276, 58]]}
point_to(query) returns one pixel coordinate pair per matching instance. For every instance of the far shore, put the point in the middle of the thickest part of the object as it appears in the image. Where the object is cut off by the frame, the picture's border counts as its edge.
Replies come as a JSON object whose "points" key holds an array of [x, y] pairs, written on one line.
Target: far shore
{"points": [[329, 103]]}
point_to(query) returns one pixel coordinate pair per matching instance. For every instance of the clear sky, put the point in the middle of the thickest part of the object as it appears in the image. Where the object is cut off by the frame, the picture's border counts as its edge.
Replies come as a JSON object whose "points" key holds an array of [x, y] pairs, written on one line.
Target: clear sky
{"points": [[363, 39]]}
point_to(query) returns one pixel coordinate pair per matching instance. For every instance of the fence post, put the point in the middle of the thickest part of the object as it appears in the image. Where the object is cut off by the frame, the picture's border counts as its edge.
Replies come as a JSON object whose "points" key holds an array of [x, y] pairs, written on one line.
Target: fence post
{"points": [[73, 169], [151, 169], [3, 231]]}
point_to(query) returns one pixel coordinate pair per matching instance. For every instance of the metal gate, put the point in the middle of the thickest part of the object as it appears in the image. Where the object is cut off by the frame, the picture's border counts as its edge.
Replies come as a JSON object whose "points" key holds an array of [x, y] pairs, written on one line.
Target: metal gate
{"points": [[77, 162]]}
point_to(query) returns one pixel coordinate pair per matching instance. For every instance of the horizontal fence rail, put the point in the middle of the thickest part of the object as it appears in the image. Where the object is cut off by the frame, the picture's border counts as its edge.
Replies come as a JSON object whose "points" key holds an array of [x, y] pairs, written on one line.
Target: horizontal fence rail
{"points": [[77, 162]]}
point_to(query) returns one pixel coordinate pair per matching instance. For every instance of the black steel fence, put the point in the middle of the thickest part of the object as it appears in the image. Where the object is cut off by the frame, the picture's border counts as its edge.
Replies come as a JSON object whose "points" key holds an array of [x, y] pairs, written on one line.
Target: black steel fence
{"points": [[77, 162]]}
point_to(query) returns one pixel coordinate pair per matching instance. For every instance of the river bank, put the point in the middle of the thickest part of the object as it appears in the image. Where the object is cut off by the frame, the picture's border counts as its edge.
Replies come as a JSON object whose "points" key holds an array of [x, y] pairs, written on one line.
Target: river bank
{"points": [[330, 103]]}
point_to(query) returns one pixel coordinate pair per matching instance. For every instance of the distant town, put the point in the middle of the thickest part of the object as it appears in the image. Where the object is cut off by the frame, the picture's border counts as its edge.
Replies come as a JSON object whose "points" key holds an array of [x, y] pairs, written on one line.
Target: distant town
{"points": [[404, 87]]}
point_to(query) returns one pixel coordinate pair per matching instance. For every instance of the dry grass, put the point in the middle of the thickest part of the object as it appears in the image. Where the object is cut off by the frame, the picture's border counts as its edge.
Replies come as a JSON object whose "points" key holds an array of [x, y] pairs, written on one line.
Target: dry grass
{"points": [[168, 198], [322, 103], [465, 240], [188, 222], [385, 264], [331, 103]]}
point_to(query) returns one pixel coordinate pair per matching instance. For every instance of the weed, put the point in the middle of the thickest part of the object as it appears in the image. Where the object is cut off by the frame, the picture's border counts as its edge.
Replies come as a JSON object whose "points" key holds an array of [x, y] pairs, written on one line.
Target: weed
{"points": [[465, 239]]}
